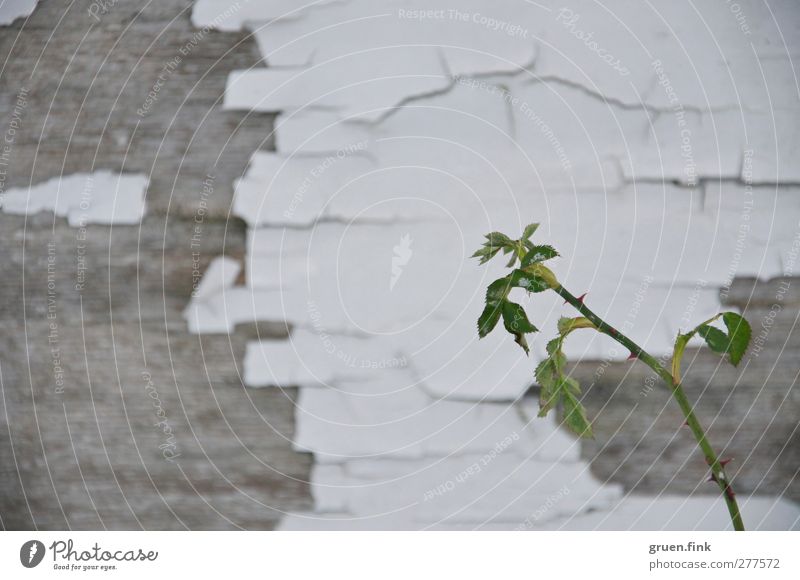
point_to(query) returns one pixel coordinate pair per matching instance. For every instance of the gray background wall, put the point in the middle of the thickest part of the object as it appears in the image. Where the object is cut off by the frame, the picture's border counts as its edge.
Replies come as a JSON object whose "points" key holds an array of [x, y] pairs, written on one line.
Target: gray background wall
{"points": [[89, 457]]}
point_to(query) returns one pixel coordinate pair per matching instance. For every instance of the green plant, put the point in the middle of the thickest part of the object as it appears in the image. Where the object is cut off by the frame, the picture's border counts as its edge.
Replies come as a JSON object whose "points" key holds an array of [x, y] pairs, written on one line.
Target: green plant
{"points": [[557, 386]]}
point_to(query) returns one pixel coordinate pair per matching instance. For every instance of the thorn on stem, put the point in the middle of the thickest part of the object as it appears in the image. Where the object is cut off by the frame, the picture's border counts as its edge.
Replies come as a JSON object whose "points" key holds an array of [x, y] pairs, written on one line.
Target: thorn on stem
{"points": [[712, 478], [724, 462], [580, 298], [632, 356]]}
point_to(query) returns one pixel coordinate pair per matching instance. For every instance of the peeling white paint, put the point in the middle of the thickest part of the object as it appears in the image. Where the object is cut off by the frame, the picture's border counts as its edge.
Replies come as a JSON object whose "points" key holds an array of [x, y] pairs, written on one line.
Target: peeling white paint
{"points": [[235, 15], [10, 10], [658, 177], [636, 513], [368, 84], [293, 190], [101, 197], [220, 275]]}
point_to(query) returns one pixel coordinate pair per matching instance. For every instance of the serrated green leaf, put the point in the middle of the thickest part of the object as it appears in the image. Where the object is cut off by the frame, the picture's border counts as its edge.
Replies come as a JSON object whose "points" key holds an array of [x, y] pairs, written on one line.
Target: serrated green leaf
{"points": [[548, 399], [549, 370], [555, 387], [554, 346], [563, 324], [575, 416], [515, 319], [498, 239], [499, 289], [739, 333], [517, 323], [716, 339], [545, 373], [548, 374], [486, 253], [489, 317], [527, 281], [495, 241], [529, 231], [538, 254], [542, 273], [566, 325], [572, 385], [734, 343], [546, 377]]}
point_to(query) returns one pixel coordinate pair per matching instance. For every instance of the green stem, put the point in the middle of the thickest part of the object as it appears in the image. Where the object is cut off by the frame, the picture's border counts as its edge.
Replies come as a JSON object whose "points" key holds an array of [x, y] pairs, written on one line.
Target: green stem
{"points": [[717, 469]]}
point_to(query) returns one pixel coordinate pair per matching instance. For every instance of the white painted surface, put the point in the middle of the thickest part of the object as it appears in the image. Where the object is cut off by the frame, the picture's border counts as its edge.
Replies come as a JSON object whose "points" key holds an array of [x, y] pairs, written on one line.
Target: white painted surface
{"points": [[406, 132], [667, 513], [101, 197], [10, 10]]}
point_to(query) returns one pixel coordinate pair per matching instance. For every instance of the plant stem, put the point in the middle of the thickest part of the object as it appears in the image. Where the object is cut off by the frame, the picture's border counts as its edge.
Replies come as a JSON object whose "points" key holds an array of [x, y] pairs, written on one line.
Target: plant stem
{"points": [[717, 468]]}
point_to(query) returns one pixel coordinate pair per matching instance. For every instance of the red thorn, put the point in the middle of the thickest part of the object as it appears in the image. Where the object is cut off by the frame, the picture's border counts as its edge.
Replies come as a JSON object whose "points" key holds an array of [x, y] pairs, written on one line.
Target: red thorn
{"points": [[632, 356], [729, 492], [580, 298], [686, 423], [724, 462]]}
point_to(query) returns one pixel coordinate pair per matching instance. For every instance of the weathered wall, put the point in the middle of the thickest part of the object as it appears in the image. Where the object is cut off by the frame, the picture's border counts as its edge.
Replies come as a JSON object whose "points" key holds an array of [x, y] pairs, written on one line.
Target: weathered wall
{"points": [[87, 78], [751, 413], [89, 455], [655, 146], [86, 454]]}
